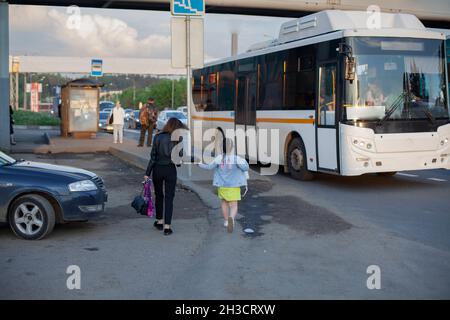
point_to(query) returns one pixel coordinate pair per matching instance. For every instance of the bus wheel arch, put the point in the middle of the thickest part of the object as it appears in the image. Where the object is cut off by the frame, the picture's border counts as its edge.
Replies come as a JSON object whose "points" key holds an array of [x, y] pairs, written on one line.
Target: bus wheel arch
{"points": [[296, 158]]}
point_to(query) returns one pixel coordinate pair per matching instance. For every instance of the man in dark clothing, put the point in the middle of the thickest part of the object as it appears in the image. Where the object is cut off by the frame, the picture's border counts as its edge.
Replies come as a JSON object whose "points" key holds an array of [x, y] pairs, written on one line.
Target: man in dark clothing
{"points": [[11, 123], [147, 116]]}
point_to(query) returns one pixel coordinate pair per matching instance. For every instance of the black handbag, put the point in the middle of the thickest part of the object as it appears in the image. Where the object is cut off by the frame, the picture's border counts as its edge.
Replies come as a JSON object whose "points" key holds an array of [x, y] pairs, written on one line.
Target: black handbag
{"points": [[140, 205], [111, 118]]}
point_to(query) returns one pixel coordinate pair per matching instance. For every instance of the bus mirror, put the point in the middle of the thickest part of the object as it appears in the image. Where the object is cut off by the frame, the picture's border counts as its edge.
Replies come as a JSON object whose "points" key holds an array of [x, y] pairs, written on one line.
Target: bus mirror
{"points": [[350, 68]]}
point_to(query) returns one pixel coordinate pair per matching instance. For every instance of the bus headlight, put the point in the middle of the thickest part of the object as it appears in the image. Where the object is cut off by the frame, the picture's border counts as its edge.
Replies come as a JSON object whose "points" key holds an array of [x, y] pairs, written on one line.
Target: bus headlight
{"points": [[367, 145], [444, 141]]}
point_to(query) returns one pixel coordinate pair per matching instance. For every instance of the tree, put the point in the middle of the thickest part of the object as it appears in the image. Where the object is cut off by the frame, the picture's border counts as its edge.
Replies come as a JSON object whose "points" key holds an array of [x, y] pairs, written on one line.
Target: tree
{"points": [[160, 91]]}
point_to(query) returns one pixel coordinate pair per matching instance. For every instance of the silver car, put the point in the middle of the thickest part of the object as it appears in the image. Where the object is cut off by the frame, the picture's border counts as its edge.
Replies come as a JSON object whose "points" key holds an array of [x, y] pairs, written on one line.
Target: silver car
{"points": [[165, 115]]}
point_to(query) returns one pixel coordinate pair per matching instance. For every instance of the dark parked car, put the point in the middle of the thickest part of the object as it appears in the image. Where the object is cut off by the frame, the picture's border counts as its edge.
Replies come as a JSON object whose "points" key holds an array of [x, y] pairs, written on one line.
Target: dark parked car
{"points": [[103, 121], [34, 196]]}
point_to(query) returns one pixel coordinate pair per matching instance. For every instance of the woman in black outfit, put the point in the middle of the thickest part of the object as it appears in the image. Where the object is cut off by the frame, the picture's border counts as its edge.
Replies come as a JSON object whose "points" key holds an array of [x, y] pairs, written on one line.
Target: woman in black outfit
{"points": [[164, 172]]}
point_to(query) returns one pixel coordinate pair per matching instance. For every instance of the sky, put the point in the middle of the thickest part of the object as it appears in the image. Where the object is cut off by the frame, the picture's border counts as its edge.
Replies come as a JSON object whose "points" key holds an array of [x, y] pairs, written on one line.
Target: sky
{"points": [[61, 31]]}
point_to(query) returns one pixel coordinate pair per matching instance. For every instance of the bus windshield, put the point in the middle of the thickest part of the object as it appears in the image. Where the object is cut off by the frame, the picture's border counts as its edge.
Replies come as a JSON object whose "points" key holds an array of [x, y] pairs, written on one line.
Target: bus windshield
{"points": [[396, 79]]}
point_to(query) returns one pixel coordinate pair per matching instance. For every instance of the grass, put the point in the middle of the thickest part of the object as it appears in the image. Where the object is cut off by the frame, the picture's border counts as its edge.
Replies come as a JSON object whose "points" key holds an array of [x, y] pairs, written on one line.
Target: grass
{"points": [[22, 117]]}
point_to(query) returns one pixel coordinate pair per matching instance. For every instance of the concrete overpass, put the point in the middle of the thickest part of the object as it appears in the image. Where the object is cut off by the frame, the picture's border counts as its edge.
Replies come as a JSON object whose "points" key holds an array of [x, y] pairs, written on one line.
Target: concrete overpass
{"points": [[52, 64], [433, 13]]}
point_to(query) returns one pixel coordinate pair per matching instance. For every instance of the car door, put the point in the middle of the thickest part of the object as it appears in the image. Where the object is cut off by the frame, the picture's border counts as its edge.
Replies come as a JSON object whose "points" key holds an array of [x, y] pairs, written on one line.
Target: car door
{"points": [[6, 190]]}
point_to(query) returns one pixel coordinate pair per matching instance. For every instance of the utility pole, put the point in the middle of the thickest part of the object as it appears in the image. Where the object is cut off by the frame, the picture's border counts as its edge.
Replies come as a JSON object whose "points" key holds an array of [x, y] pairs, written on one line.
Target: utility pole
{"points": [[173, 92], [134, 92], [5, 140], [234, 44], [188, 70], [24, 100]]}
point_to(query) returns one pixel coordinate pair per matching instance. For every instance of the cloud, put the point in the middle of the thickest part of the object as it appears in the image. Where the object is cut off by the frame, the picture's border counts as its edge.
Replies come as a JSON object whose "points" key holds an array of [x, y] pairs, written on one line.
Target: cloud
{"points": [[125, 33], [90, 34], [26, 18]]}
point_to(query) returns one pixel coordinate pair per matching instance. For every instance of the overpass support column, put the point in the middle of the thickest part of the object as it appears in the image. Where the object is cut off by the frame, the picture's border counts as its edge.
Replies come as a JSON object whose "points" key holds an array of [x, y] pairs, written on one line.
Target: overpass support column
{"points": [[5, 144], [4, 77]]}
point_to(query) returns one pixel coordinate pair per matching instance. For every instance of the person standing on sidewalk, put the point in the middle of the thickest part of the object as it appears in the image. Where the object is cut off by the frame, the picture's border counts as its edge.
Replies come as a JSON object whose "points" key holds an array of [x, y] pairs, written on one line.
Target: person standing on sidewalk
{"points": [[230, 174], [118, 115], [11, 126], [164, 171], [147, 117]]}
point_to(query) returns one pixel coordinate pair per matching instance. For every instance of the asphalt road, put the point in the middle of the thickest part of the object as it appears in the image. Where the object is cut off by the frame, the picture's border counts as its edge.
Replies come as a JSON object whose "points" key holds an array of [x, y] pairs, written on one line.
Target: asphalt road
{"points": [[311, 240]]}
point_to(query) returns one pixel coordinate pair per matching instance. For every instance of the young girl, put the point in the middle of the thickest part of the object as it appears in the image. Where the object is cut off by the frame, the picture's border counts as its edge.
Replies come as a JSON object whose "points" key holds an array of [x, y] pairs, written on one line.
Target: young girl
{"points": [[230, 173]]}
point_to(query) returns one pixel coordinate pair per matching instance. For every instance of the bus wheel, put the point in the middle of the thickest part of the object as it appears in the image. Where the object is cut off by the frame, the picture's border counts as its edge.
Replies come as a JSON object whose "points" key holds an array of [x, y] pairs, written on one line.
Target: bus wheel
{"points": [[297, 161], [387, 174]]}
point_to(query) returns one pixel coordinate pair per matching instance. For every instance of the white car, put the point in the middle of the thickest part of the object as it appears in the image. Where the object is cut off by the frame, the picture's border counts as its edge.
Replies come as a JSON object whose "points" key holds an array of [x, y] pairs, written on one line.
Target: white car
{"points": [[165, 115], [183, 109]]}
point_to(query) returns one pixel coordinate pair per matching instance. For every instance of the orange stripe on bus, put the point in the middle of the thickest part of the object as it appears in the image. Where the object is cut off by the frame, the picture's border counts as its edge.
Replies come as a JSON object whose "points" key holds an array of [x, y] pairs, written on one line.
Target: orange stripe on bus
{"points": [[213, 119], [274, 120]]}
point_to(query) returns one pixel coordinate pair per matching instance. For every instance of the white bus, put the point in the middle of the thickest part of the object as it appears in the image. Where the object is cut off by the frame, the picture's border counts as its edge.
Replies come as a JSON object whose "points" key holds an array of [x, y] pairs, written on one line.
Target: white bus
{"points": [[345, 98]]}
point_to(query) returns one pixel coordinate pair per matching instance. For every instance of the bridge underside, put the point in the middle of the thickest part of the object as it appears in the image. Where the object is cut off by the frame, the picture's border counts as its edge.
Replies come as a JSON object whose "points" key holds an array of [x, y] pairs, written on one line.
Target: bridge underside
{"points": [[165, 6]]}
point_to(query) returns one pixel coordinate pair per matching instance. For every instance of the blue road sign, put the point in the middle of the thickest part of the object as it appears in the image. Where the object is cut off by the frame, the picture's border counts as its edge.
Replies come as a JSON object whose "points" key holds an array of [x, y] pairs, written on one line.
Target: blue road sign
{"points": [[96, 68], [188, 7]]}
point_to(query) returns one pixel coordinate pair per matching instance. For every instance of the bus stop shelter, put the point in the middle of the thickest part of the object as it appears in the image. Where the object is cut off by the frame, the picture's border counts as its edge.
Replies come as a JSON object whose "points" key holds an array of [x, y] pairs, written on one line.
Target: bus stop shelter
{"points": [[80, 108]]}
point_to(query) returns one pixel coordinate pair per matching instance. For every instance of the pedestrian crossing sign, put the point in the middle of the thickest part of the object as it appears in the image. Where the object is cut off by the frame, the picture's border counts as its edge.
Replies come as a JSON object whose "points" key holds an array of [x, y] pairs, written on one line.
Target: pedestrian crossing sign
{"points": [[188, 7]]}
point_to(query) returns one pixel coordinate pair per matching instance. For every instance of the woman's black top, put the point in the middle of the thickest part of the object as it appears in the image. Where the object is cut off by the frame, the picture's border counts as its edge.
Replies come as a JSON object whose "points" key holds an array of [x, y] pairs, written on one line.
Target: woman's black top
{"points": [[162, 151]]}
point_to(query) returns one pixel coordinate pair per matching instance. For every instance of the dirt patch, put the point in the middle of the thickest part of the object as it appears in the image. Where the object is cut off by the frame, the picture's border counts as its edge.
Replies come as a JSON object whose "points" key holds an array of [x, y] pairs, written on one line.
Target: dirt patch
{"points": [[258, 211]]}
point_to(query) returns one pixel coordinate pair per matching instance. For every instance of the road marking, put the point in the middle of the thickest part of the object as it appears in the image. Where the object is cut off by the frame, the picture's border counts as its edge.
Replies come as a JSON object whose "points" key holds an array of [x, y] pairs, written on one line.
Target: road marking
{"points": [[437, 179], [407, 175]]}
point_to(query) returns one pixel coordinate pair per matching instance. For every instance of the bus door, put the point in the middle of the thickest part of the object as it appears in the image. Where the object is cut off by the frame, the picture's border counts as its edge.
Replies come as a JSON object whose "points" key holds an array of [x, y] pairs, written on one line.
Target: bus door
{"points": [[326, 130], [245, 115]]}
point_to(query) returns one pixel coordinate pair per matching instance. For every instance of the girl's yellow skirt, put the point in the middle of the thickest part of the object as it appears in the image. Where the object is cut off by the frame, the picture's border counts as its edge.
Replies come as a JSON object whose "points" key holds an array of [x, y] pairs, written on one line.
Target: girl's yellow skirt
{"points": [[229, 194]]}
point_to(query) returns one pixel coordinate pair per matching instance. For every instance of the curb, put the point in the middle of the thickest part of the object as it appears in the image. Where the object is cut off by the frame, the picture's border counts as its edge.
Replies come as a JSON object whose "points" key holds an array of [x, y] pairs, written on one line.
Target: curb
{"points": [[47, 139], [35, 127], [206, 196]]}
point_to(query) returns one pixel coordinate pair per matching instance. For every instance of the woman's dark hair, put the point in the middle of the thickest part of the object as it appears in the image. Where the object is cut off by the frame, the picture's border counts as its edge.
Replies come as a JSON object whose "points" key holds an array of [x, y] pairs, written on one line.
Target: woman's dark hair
{"points": [[172, 125], [228, 145]]}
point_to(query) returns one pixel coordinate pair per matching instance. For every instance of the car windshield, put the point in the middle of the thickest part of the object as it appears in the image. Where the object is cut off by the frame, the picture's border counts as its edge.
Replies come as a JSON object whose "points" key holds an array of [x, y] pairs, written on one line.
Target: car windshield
{"points": [[5, 159], [397, 79], [178, 115], [104, 115]]}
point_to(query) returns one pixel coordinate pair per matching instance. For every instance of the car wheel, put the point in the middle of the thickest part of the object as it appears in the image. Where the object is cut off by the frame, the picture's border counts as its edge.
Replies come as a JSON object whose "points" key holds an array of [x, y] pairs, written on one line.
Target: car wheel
{"points": [[31, 217], [296, 161]]}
